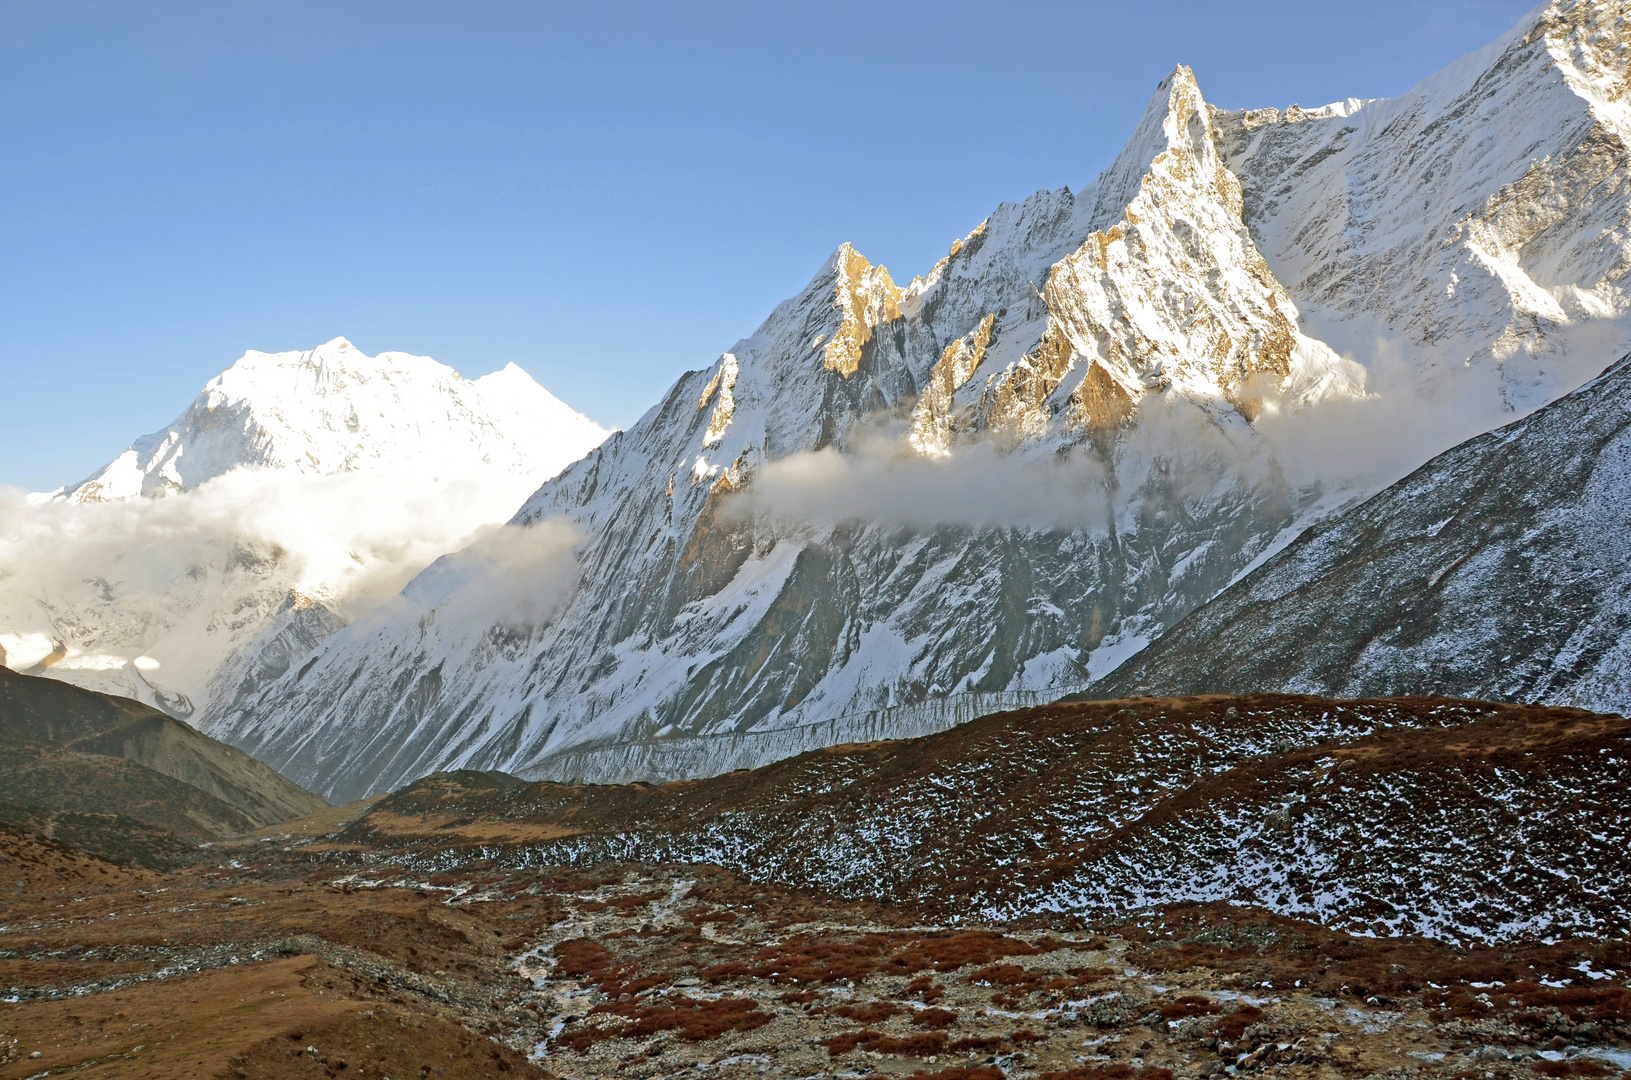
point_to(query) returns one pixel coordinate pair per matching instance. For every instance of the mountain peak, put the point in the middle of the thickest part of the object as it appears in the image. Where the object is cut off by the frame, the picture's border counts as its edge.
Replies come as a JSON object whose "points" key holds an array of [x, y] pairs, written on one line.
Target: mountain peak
{"points": [[336, 409], [866, 295], [1513, 295]]}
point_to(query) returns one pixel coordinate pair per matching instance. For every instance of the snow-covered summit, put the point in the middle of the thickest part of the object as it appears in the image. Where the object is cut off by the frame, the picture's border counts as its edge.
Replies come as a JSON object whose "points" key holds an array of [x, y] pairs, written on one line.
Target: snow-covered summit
{"points": [[335, 409], [1476, 226], [298, 489]]}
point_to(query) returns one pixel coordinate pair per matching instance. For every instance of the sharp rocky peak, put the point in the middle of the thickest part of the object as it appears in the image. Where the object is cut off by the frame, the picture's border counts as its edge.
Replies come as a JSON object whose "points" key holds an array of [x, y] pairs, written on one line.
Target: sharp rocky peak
{"points": [[1057, 315]]}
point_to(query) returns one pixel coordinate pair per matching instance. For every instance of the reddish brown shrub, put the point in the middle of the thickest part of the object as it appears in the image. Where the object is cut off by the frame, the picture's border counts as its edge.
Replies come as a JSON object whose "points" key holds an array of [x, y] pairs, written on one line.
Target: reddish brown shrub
{"points": [[839, 1045], [1079, 978], [1231, 1026], [581, 958], [1007, 975], [1190, 1005], [580, 1040], [809, 960], [735, 969], [697, 918], [697, 1021], [934, 1018], [948, 952], [1582, 1067], [870, 1013], [911, 1046], [925, 989], [625, 905], [1577, 1002], [592, 962]]}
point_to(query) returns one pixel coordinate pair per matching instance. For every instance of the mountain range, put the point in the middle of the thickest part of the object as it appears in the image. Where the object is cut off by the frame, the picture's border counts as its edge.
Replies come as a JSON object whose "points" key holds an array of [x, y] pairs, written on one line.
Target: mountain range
{"points": [[1095, 425], [892, 506], [1183, 633]]}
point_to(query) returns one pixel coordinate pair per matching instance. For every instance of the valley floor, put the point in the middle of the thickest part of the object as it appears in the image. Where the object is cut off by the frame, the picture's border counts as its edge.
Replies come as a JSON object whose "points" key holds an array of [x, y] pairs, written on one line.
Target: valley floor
{"points": [[295, 954]]}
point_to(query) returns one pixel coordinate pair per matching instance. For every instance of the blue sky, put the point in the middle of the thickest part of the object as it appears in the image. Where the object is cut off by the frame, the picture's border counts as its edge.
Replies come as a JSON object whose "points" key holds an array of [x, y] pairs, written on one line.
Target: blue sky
{"points": [[607, 194]]}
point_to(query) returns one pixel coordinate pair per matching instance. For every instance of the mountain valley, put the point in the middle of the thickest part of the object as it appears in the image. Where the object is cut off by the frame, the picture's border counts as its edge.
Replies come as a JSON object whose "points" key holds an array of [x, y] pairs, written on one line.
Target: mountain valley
{"points": [[844, 914], [1184, 633]]}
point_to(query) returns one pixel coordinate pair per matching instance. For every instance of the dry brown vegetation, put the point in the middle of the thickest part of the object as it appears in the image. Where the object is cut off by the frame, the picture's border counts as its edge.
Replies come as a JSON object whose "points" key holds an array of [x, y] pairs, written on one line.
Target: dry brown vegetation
{"points": [[400, 947], [1210, 771]]}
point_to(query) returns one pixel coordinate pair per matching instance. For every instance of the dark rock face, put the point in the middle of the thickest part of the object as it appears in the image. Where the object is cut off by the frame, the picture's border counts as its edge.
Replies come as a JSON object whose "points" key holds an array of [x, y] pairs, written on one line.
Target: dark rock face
{"points": [[1497, 570]]}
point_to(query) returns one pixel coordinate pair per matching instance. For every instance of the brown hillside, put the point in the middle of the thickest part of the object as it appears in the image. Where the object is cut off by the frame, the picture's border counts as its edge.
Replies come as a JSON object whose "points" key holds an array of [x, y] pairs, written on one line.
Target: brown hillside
{"points": [[1398, 812], [46, 712]]}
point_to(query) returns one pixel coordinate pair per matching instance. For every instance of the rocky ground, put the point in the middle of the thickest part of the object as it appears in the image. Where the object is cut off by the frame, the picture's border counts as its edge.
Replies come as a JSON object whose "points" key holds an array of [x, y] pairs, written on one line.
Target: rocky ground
{"points": [[295, 954], [1460, 820]]}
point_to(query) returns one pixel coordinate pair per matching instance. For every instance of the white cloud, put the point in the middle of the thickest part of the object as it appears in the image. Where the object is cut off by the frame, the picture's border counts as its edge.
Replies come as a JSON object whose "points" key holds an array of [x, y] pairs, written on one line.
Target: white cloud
{"points": [[182, 579], [511, 575], [881, 480]]}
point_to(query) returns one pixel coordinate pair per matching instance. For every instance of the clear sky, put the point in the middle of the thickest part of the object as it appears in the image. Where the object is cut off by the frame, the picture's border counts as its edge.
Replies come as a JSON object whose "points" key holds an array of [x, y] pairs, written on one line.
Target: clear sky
{"points": [[607, 194]]}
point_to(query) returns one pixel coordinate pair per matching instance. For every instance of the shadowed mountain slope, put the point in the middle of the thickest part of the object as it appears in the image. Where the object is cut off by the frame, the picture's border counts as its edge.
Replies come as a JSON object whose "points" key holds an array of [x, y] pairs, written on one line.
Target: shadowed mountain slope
{"points": [[77, 750], [1497, 570]]}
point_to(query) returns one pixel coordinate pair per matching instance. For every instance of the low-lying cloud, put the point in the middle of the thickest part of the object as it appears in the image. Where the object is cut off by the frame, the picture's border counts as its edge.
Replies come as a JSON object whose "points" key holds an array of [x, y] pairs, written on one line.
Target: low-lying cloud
{"points": [[1415, 407], [1419, 405], [358, 535], [171, 576], [511, 575], [882, 482]]}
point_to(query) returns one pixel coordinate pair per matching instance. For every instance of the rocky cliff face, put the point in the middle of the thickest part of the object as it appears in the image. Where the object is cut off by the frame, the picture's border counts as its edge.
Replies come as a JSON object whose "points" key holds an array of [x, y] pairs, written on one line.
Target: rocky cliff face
{"points": [[1476, 226], [1015, 470], [195, 567], [1497, 570]]}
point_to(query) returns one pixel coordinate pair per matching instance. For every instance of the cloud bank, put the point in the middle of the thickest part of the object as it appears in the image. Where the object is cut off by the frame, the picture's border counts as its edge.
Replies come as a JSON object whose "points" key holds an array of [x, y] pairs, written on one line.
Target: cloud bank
{"points": [[184, 578], [976, 487]]}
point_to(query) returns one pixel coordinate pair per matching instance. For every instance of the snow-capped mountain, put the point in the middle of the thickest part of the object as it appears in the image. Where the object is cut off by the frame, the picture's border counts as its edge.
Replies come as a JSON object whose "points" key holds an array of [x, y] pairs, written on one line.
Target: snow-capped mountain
{"points": [[1497, 570], [1473, 229], [295, 490], [333, 409], [1006, 476]]}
